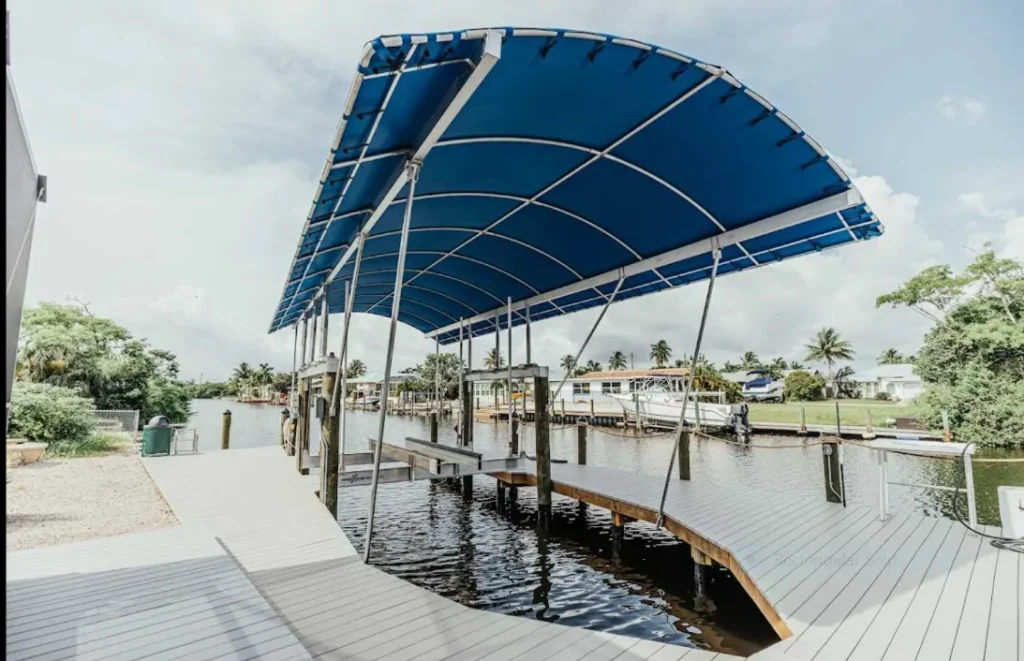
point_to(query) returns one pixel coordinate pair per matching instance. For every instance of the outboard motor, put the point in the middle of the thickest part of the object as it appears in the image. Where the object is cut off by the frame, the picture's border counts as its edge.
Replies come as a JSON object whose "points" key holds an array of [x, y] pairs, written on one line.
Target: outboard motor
{"points": [[741, 422]]}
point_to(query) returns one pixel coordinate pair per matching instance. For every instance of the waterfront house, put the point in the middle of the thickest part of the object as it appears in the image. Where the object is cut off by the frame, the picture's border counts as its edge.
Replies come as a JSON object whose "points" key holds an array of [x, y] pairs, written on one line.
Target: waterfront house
{"points": [[899, 381]]}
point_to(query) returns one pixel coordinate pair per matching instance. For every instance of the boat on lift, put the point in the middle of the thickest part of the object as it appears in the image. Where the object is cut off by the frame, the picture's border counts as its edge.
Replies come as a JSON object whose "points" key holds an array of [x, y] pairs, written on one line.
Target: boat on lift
{"points": [[763, 387], [657, 402]]}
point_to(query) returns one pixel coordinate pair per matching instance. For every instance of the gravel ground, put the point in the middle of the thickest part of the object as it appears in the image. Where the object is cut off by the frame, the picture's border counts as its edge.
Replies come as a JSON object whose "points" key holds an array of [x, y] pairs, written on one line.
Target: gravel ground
{"points": [[55, 501]]}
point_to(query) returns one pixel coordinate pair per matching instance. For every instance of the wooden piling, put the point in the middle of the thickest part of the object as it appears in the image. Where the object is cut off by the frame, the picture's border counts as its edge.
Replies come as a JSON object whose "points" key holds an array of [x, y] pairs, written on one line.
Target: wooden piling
{"points": [[591, 408], [433, 427], [225, 431], [501, 496], [330, 459], [684, 453], [284, 425], [618, 532], [514, 444], [543, 431], [869, 432], [947, 435], [832, 472], [803, 421], [466, 423], [581, 444]]}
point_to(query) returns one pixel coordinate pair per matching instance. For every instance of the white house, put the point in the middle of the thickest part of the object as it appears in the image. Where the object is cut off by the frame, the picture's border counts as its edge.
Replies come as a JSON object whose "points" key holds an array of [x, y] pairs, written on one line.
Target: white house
{"points": [[597, 386], [899, 381]]}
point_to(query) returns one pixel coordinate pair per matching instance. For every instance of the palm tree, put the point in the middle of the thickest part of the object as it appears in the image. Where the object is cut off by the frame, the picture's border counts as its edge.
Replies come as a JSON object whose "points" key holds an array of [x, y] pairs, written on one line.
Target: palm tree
{"points": [[568, 364], [749, 360], [660, 353], [829, 348], [591, 366], [494, 360], [731, 367], [796, 365], [243, 373], [265, 374], [617, 361], [356, 369], [891, 357], [843, 384]]}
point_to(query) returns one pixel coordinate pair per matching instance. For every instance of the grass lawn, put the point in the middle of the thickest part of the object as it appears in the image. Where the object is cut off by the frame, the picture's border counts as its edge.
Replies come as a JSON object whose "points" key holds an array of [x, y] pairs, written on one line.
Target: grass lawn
{"points": [[851, 412]]}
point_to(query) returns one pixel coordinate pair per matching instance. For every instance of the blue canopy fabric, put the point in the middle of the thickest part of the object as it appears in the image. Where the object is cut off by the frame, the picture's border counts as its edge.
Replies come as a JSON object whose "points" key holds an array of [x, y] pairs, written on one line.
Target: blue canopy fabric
{"points": [[579, 159]]}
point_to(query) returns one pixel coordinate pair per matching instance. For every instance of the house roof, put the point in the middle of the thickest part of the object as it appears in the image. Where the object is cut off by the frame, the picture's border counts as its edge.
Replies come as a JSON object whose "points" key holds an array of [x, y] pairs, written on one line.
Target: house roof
{"points": [[551, 173], [633, 374], [898, 372]]}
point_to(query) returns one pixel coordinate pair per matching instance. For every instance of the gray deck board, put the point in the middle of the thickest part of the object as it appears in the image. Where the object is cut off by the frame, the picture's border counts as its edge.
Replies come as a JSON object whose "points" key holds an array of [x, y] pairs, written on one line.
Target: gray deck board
{"points": [[1004, 628], [941, 633], [973, 629]]}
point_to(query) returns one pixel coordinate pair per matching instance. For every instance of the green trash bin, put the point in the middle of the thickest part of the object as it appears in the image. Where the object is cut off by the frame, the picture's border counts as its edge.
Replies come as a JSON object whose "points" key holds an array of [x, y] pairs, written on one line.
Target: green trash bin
{"points": [[156, 436]]}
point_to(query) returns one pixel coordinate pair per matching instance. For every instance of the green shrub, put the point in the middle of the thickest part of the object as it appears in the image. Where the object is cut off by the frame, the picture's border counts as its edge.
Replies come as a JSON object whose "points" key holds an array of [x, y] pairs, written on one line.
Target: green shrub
{"points": [[802, 386], [883, 396], [96, 444], [50, 414]]}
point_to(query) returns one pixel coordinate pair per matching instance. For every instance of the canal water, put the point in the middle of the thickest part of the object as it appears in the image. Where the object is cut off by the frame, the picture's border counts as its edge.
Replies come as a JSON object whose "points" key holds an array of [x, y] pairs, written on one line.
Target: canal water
{"points": [[427, 533]]}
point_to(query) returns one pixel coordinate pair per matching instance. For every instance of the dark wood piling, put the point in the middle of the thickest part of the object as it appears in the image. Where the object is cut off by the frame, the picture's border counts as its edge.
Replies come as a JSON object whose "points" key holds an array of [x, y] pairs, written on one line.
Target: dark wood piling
{"points": [[832, 471], [581, 443], [225, 431], [540, 394], [433, 427], [330, 459], [683, 450], [284, 426]]}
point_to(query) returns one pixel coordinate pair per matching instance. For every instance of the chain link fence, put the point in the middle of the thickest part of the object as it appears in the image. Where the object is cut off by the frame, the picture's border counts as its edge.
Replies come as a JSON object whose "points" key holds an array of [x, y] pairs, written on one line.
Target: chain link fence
{"points": [[117, 422]]}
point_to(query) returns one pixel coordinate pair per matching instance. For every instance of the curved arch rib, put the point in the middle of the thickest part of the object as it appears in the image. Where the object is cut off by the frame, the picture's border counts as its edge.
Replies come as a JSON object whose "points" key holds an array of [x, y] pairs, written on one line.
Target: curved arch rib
{"points": [[415, 302]]}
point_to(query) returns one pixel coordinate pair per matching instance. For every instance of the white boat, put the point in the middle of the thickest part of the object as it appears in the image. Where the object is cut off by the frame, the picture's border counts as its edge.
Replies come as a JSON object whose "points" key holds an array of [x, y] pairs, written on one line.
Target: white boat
{"points": [[659, 402]]}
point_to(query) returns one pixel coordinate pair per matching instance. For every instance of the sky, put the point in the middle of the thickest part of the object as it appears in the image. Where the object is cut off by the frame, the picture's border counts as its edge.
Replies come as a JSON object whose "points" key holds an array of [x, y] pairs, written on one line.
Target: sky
{"points": [[183, 143]]}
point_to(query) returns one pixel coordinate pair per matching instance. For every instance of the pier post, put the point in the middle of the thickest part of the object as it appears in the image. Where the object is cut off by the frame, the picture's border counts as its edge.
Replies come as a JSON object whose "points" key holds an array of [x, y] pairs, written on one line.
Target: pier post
{"points": [[543, 431], [433, 427], [225, 430], [832, 470], [636, 407], [701, 562], [514, 445], [501, 496], [581, 443], [591, 408], [947, 435], [563, 408], [329, 446], [803, 421], [618, 532], [284, 423], [466, 423], [683, 443], [869, 433]]}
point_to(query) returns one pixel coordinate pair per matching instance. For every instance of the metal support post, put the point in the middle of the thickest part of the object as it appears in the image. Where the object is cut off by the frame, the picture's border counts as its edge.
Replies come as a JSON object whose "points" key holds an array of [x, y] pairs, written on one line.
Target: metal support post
{"points": [[412, 170], [583, 346], [295, 369], [529, 348], [325, 313], [461, 403], [437, 374], [511, 430], [312, 339], [305, 339], [972, 505], [716, 252]]}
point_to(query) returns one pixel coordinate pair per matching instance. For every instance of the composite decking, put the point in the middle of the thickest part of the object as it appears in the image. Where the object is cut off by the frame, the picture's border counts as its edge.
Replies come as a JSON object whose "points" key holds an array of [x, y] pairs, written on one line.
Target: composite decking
{"points": [[259, 569], [267, 517], [836, 582]]}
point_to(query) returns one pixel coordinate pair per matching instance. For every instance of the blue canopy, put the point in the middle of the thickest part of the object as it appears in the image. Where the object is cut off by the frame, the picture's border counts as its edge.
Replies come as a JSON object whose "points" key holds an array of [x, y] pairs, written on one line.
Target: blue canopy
{"points": [[554, 164]]}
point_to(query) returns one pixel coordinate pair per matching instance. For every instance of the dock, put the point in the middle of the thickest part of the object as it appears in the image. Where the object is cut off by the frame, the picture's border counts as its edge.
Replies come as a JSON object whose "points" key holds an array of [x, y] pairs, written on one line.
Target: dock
{"points": [[258, 569]]}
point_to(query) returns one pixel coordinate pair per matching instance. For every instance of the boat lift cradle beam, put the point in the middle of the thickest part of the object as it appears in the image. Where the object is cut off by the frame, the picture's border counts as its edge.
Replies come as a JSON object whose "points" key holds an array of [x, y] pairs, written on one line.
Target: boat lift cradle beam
{"points": [[488, 59]]}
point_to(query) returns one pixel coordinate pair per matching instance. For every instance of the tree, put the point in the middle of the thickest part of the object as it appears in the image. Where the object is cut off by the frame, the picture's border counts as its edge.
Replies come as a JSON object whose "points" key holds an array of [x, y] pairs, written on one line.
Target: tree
{"points": [[356, 369], [936, 286], [750, 361], [68, 346], [730, 366], [242, 374], [972, 360], [802, 386], [828, 347], [568, 364], [796, 365], [591, 366], [617, 361], [891, 357], [265, 374], [660, 353], [448, 364], [494, 360], [842, 385], [686, 361]]}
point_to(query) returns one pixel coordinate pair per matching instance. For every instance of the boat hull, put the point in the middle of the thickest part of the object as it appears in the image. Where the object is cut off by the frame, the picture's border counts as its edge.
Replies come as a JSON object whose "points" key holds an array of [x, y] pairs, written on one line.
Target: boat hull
{"points": [[663, 409]]}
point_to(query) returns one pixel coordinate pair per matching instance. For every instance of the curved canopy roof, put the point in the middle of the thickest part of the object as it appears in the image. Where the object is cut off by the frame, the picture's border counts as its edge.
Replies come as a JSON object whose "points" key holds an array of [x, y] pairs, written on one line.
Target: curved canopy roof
{"points": [[555, 163]]}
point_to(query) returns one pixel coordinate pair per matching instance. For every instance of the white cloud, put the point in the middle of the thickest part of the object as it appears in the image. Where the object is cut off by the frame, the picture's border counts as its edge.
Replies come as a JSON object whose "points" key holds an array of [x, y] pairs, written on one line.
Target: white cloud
{"points": [[955, 108], [183, 143], [1006, 232]]}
